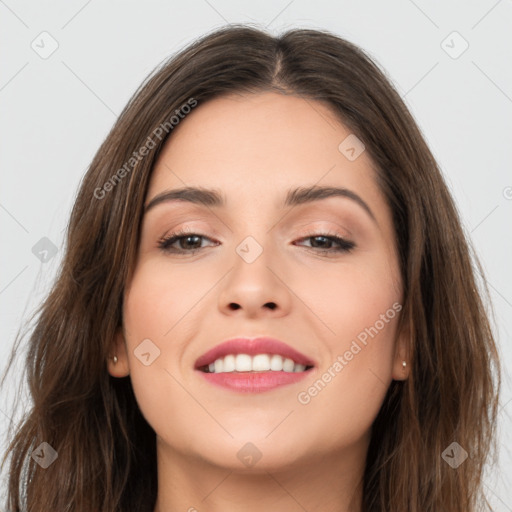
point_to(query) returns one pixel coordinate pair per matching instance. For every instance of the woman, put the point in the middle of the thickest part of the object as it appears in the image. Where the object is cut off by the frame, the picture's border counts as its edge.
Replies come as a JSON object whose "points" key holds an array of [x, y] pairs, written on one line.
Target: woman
{"points": [[266, 302]]}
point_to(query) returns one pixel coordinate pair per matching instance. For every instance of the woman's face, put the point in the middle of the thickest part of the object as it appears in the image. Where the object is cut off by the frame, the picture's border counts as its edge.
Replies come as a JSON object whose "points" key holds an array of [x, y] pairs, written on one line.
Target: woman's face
{"points": [[258, 267]]}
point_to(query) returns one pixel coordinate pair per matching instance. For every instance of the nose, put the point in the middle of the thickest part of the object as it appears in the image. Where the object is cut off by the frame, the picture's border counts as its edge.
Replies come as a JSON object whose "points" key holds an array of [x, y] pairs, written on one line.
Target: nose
{"points": [[256, 289]]}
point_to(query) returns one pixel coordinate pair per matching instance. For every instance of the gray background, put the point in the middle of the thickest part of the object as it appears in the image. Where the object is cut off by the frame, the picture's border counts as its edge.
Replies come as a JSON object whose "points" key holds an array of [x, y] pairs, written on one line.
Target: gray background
{"points": [[57, 110]]}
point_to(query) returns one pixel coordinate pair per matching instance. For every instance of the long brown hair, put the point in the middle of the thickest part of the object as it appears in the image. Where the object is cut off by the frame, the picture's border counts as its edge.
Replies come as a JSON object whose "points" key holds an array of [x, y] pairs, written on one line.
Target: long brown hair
{"points": [[106, 449]]}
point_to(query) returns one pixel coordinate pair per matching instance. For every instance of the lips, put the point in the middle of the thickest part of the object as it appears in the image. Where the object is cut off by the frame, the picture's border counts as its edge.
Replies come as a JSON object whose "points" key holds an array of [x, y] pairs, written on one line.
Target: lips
{"points": [[251, 347], [259, 365]]}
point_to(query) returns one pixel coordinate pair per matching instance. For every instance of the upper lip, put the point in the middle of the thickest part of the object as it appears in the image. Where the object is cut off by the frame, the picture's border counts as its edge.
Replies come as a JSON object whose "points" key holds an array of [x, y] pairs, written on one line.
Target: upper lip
{"points": [[253, 346]]}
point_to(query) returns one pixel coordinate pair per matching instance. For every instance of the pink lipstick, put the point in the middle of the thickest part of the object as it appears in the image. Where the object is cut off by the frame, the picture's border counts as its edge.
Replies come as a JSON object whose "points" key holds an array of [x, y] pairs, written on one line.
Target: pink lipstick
{"points": [[253, 365]]}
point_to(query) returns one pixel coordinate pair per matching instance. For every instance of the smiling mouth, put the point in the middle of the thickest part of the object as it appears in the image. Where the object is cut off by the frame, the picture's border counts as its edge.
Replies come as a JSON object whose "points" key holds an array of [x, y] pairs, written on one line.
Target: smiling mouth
{"points": [[245, 363]]}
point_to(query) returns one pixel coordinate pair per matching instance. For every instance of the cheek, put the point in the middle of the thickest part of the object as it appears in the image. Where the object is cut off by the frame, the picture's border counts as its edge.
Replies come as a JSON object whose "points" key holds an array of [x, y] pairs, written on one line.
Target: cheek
{"points": [[351, 299], [359, 314], [153, 307], [158, 299], [344, 397]]}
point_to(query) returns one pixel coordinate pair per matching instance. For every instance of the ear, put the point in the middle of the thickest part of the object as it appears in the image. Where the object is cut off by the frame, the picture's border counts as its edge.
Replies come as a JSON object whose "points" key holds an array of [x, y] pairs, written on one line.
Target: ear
{"points": [[118, 348], [401, 372]]}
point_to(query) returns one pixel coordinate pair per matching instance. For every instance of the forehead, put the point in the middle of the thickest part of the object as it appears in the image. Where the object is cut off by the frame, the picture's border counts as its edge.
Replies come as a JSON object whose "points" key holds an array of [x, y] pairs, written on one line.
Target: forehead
{"points": [[254, 147]]}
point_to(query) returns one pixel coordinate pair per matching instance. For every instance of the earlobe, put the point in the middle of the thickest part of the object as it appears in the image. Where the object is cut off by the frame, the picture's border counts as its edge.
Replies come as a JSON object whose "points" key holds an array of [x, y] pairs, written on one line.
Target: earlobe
{"points": [[401, 363], [404, 370], [400, 368], [117, 363]]}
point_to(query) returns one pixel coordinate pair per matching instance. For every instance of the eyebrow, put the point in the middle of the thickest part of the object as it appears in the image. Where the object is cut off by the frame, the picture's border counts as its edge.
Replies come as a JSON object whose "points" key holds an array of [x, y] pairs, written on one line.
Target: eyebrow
{"points": [[294, 197]]}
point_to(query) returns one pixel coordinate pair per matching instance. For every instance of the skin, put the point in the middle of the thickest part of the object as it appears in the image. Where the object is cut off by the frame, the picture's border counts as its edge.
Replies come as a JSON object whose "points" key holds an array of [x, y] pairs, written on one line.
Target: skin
{"points": [[254, 147]]}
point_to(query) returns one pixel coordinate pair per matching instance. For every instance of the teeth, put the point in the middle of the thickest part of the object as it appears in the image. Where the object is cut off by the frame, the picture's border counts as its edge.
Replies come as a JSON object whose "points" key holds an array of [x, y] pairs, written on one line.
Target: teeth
{"points": [[276, 363], [261, 363], [257, 363], [243, 363], [288, 365], [229, 363], [218, 365]]}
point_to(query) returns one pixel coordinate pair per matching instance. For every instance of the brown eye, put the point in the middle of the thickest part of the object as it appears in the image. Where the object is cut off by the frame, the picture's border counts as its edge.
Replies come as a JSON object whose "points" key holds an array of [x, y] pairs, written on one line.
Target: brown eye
{"points": [[186, 242], [324, 243], [190, 243]]}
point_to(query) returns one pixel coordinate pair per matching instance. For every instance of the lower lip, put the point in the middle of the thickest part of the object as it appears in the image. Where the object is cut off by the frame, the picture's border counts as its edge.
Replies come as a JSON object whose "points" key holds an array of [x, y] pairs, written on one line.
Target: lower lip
{"points": [[254, 382]]}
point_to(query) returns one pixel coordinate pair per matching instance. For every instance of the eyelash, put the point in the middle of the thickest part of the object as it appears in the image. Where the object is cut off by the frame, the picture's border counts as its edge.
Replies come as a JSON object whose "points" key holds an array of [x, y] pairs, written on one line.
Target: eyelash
{"points": [[345, 246]]}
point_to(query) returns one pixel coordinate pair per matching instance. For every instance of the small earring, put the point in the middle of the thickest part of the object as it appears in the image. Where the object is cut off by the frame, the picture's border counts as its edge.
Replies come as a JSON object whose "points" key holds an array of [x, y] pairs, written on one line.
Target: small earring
{"points": [[115, 359], [404, 364]]}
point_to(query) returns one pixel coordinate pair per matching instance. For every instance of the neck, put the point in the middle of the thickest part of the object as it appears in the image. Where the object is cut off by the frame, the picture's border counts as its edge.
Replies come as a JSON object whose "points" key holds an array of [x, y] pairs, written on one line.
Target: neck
{"points": [[331, 483]]}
